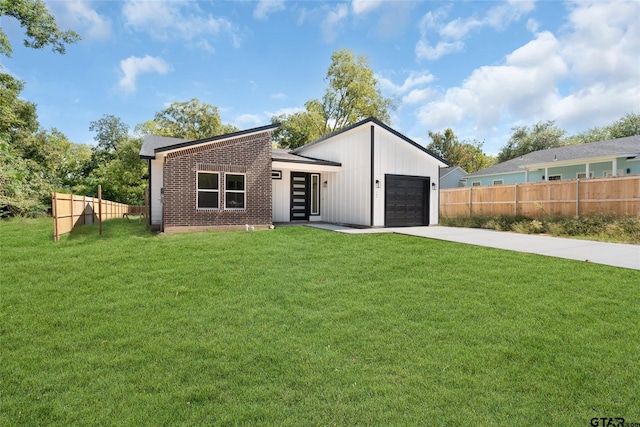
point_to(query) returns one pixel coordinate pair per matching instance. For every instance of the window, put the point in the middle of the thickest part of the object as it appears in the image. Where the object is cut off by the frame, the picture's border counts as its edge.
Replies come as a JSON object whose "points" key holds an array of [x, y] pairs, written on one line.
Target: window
{"points": [[581, 175], [475, 184], [555, 177], [276, 174], [619, 172], [315, 194], [498, 182], [234, 191], [208, 194]]}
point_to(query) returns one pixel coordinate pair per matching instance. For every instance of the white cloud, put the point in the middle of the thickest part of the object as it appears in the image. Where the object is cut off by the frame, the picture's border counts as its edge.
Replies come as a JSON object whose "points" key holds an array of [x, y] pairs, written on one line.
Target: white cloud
{"points": [[585, 76], [416, 78], [452, 32], [425, 51], [533, 25], [176, 19], [417, 96], [364, 6], [247, 121], [133, 66], [266, 7], [79, 15], [332, 21], [284, 111], [279, 96]]}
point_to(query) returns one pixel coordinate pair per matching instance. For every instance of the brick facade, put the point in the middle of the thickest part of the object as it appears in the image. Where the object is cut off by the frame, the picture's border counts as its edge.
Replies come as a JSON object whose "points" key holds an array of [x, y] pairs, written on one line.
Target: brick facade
{"points": [[250, 155]]}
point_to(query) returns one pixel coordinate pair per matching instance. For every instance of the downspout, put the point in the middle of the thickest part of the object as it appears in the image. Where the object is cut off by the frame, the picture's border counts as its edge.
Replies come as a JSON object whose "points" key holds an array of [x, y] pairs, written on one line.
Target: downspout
{"points": [[372, 183]]}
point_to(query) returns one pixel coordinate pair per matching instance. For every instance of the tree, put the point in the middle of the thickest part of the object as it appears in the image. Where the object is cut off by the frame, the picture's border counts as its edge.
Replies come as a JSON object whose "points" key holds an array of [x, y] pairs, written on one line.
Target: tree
{"points": [[351, 95], [110, 131], [468, 155], [627, 125], [123, 178], [41, 27], [188, 120], [524, 140]]}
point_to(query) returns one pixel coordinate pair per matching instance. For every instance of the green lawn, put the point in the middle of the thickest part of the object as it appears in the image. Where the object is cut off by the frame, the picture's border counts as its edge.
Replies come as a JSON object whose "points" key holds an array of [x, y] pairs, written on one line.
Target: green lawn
{"points": [[305, 327]]}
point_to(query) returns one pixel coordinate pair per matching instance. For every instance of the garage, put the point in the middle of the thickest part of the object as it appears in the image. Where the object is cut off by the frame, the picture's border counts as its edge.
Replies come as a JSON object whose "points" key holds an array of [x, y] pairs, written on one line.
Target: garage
{"points": [[406, 201]]}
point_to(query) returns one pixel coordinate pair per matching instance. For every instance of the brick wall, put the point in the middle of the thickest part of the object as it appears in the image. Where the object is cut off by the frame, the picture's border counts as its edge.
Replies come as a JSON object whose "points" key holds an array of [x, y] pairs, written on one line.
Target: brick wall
{"points": [[249, 154]]}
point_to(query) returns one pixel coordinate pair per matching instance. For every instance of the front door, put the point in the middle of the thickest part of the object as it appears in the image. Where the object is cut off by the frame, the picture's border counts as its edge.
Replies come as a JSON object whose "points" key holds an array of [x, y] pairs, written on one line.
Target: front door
{"points": [[299, 196]]}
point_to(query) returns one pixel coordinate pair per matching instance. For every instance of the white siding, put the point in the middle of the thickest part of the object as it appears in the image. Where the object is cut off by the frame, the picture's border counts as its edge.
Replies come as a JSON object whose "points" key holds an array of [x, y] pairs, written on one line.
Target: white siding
{"points": [[281, 192], [398, 157], [156, 184], [347, 197], [348, 194]]}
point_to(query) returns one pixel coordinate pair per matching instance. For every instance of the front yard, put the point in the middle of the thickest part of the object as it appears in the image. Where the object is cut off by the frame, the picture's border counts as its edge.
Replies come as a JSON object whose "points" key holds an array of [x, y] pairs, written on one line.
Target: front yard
{"points": [[299, 326]]}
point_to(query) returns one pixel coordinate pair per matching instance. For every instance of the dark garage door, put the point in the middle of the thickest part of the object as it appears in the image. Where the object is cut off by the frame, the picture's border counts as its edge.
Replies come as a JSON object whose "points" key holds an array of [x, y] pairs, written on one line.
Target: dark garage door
{"points": [[406, 201]]}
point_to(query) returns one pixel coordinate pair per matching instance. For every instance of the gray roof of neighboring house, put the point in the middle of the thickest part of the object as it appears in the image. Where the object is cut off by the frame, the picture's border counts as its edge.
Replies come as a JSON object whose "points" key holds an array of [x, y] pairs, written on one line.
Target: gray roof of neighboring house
{"points": [[152, 143], [446, 171], [628, 146]]}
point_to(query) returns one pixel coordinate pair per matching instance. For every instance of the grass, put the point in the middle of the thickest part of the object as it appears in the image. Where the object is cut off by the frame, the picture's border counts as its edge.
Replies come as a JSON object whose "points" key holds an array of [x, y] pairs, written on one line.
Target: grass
{"points": [[298, 326]]}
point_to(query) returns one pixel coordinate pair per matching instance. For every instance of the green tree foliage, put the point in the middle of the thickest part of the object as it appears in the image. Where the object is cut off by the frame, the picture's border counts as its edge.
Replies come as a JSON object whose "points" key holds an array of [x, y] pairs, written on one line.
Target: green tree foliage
{"points": [[351, 95], [524, 140], [115, 162], [627, 125], [189, 120], [123, 177], [468, 155], [40, 26]]}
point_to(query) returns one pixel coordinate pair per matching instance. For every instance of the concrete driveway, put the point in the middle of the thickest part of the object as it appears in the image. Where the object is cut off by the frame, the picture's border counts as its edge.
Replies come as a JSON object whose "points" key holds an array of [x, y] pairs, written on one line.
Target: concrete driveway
{"points": [[614, 254]]}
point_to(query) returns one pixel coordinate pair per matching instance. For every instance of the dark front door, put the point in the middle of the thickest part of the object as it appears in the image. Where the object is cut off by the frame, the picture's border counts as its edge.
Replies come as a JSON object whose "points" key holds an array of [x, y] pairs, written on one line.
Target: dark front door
{"points": [[406, 201], [299, 196]]}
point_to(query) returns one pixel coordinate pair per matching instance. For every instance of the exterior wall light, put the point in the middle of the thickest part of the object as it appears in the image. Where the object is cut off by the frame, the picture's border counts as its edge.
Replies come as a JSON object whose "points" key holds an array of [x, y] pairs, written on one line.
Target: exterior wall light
{"points": [[324, 184], [434, 186], [377, 183]]}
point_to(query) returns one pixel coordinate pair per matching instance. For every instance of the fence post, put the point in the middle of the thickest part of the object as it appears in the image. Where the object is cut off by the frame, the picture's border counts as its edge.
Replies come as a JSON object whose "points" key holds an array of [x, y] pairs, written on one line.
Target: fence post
{"points": [[470, 207], [100, 209], [516, 202], [56, 237], [578, 197]]}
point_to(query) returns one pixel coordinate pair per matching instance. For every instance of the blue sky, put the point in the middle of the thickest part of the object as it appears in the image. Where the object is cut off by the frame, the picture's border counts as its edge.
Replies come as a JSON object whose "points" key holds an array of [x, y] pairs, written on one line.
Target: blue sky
{"points": [[478, 67]]}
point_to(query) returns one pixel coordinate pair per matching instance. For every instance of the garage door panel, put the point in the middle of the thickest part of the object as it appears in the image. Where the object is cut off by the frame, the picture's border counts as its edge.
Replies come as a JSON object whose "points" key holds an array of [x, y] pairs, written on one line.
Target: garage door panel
{"points": [[406, 201]]}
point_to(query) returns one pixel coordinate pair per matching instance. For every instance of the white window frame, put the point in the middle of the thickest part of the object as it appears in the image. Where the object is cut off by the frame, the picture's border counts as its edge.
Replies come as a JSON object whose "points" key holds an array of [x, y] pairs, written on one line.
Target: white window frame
{"points": [[498, 181], [207, 190], [314, 202], [476, 184], [276, 174], [584, 175], [610, 172], [555, 177], [243, 191]]}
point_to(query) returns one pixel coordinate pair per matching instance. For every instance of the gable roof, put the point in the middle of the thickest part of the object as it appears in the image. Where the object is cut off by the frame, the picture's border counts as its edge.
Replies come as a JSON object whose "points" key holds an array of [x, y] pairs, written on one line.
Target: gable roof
{"points": [[446, 171], [571, 154], [156, 144], [377, 122]]}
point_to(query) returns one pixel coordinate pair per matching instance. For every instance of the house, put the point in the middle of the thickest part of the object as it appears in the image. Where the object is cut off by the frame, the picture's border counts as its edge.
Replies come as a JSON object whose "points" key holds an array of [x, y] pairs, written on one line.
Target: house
{"points": [[452, 177], [365, 175], [615, 157]]}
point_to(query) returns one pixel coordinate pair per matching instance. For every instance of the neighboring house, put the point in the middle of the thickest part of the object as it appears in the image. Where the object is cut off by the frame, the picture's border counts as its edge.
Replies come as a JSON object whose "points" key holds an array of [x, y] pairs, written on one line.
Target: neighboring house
{"points": [[452, 177], [615, 157], [366, 175]]}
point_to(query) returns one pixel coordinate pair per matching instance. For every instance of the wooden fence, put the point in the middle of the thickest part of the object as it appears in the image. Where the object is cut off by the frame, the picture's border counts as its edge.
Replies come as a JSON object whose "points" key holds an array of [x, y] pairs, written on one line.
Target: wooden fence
{"points": [[614, 196], [70, 210]]}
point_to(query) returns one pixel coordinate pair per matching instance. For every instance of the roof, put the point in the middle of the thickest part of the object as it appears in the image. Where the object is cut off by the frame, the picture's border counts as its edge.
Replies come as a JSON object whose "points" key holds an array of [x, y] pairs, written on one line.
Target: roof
{"points": [[378, 123], [446, 171], [282, 155], [570, 154], [155, 144]]}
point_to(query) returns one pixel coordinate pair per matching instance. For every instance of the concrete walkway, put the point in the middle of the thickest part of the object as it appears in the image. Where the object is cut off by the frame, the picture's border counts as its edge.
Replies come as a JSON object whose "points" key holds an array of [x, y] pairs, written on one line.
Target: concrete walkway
{"points": [[614, 254]]}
